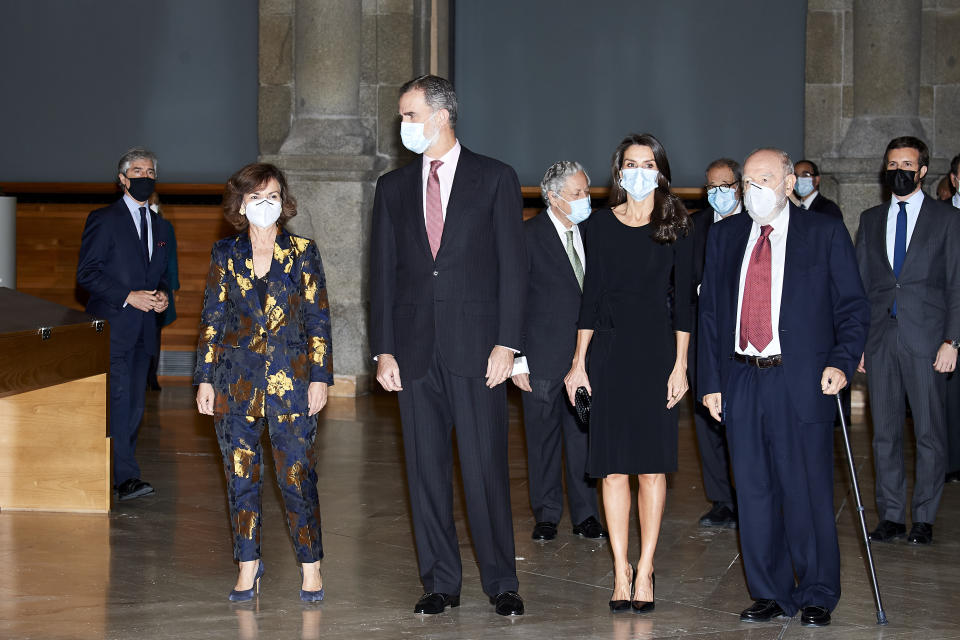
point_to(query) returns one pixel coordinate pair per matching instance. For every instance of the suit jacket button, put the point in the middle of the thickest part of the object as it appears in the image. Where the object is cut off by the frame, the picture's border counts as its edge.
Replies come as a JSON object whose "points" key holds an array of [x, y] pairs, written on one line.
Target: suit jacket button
{"points": [[436, 273]]}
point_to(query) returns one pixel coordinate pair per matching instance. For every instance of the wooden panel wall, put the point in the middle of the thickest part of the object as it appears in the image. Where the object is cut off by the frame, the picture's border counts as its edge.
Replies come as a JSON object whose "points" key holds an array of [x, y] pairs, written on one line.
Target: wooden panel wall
{"points": [[48, 243]]}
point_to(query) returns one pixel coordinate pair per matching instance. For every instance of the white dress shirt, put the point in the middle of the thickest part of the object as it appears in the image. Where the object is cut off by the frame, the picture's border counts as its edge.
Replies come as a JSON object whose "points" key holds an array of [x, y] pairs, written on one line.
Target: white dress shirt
{"points": [[134, 208], [444, 174], [717, 217], [955, 200], [778, 252], [520, 364], [805, 202], [914, 203]]}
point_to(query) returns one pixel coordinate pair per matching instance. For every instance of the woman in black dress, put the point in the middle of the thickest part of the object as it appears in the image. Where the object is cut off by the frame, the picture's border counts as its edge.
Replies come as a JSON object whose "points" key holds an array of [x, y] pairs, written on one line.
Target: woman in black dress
{"points": [[637, 364]]}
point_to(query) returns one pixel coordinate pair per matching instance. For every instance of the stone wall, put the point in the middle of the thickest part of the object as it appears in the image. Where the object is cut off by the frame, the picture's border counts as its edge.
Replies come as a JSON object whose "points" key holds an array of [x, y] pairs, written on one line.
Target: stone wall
{"points": [[876, 69]]}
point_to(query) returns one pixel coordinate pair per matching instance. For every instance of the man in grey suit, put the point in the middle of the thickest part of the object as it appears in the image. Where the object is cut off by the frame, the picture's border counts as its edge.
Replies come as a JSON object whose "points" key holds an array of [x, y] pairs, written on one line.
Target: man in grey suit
{"points": [[909, 262]]}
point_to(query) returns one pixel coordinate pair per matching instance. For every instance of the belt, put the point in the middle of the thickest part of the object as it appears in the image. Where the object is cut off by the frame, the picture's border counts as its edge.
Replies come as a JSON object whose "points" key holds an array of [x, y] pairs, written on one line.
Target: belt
{"points": [[758, 361]]}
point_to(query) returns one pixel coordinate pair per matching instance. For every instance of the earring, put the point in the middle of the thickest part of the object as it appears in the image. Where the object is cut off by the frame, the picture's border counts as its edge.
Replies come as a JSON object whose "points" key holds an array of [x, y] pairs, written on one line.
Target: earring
{"points": [[243, 209]]}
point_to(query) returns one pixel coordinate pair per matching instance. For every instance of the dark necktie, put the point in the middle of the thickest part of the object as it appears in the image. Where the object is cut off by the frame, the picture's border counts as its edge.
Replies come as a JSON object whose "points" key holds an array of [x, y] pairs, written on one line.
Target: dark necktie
{"points": [[434, 208], [143, 233], [899, 248], [755, 326]]}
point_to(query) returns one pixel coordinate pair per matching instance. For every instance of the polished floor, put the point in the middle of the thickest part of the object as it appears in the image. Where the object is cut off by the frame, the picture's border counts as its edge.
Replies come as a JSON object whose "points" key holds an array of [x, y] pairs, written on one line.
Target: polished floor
{"points": [[161, 567]]}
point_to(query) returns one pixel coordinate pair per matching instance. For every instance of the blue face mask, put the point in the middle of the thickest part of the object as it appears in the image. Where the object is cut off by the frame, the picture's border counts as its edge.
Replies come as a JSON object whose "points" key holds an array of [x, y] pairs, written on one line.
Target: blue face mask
{"points": [[411, 135], [804, 186], [723, 200], [579, 209], [639, 182]]}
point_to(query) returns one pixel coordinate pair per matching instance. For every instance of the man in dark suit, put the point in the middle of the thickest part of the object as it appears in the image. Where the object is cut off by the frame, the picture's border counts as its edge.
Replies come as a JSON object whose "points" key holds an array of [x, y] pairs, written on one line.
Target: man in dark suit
{"points": [[910, 264], [724, 198], [808, 190], [783, 319], [555, 268], [123, 258], [447, 283]]}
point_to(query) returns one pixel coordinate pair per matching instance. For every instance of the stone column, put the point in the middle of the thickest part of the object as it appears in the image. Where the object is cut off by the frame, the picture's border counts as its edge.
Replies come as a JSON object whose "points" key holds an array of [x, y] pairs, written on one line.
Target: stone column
{"points": [[329, 74], [886, 75]]}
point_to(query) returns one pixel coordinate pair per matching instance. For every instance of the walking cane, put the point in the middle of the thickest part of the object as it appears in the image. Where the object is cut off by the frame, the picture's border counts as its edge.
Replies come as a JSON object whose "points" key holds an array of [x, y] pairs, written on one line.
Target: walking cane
{"points": [[881, 616]]}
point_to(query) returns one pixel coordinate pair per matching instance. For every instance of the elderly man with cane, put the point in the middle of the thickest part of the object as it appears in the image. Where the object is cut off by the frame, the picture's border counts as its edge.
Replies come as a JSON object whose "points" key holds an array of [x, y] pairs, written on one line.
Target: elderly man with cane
{"points": [[783, 321]]}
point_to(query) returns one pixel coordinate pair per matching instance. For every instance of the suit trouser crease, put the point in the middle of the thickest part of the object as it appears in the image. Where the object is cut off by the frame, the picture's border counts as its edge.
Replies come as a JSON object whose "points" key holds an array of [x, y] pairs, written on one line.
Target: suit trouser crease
{"points": [[429, 409], [549, 420], [893, 372], [292, 439], [128, 381], [784, 474]]}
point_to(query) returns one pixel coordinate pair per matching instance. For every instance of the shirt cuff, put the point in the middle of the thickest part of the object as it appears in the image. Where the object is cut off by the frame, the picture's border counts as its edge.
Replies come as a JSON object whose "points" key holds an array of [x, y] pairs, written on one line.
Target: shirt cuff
{"points": [[520, 366]]}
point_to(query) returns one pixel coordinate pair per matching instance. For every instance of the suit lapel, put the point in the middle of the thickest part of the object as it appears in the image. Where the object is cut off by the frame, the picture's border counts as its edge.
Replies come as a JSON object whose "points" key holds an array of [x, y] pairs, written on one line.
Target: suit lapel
{"points": [[740, 240], [281, 267], [465, 182], [878, 236], [556, 248], [920, 239], [413, 202], [243, 272], [795, 260]]}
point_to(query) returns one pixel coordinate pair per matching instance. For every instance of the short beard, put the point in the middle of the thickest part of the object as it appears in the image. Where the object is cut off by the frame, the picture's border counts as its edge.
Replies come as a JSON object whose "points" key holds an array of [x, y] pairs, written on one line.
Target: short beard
{"points": [[777, 208]]}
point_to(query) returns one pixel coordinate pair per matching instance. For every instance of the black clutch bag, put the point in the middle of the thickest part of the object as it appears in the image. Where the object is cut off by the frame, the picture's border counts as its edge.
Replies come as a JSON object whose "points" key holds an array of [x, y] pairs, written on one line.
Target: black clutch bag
{"points": [[582, 406]]}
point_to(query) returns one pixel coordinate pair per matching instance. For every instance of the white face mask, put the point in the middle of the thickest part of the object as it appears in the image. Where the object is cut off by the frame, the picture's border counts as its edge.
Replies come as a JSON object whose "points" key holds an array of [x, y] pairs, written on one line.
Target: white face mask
{"points": [[762, 203], [639, 182], [411, 135], [263, 213]]}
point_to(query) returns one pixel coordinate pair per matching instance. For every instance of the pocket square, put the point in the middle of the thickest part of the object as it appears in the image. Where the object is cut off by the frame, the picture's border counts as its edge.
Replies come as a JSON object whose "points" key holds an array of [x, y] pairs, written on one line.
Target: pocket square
{"points": [[162, 243]]}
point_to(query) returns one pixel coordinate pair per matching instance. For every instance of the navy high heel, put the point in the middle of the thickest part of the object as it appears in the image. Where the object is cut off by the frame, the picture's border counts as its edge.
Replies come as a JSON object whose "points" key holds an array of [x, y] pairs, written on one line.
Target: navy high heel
{"points": [[310, 596], [247, 594]]}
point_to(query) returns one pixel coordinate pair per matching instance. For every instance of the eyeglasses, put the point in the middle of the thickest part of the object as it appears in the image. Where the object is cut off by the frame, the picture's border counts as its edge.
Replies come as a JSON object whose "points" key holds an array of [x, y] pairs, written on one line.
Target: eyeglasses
{"points": [[722, 188]]}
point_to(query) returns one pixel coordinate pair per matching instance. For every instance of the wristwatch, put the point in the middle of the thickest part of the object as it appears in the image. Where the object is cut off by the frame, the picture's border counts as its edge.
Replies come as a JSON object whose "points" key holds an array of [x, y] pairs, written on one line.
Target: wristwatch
{"points": [[953, 343]]}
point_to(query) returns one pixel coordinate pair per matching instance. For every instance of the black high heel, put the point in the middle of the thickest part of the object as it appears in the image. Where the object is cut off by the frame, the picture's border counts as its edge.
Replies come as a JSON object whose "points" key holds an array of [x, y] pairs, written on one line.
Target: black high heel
{"points": [[245, 595], [639, 606], [619, 606]]}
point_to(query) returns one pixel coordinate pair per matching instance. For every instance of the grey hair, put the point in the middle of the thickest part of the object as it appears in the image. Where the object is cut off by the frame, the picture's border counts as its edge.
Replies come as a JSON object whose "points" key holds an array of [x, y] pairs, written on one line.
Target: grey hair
{"points": [[556, 177], [731, 164], [136, 153], [437, 92], [785, 160]]}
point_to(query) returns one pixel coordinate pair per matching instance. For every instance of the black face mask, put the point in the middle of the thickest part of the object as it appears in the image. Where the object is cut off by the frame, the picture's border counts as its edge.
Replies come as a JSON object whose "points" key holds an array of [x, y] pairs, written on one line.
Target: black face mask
{"points": [[141, 188], [901, 181]]}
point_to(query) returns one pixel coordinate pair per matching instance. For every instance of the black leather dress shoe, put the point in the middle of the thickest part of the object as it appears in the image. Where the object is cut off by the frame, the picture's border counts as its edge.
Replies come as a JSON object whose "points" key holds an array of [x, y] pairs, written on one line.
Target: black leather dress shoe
{"points": [[814, 616], [544, 531], [134, 488], [590, 528], [719, 516], [761, 611], [433, 603], [888, 530], [508, 603], [953, 476], [921, 533]]}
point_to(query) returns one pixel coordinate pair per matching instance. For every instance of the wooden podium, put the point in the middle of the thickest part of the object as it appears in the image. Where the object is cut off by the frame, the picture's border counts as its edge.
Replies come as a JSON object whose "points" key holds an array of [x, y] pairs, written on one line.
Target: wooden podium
{"points": [[54, 444]]}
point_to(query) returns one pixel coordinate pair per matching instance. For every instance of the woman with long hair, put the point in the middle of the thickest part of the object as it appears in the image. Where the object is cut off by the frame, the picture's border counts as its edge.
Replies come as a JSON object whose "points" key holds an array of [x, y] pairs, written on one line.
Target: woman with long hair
{"points": [[636, 335]]}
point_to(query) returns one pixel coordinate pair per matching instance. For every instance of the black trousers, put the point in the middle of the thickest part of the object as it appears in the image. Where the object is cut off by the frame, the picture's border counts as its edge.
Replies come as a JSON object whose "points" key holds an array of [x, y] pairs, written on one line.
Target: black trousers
{"points": [[430, 408], [549, 419], [896, 375], [784, 474], [128, 381], [712, 442]]}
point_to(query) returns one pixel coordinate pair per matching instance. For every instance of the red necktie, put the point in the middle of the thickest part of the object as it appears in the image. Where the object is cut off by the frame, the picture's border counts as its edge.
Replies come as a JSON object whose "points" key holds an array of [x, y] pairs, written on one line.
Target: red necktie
{"points": [[755, 312], [434, 211]]}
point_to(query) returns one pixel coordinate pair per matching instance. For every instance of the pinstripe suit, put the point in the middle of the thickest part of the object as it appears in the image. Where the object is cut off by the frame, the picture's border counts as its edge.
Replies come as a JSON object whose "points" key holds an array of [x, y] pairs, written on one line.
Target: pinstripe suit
{"points": [[900, 351]]}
